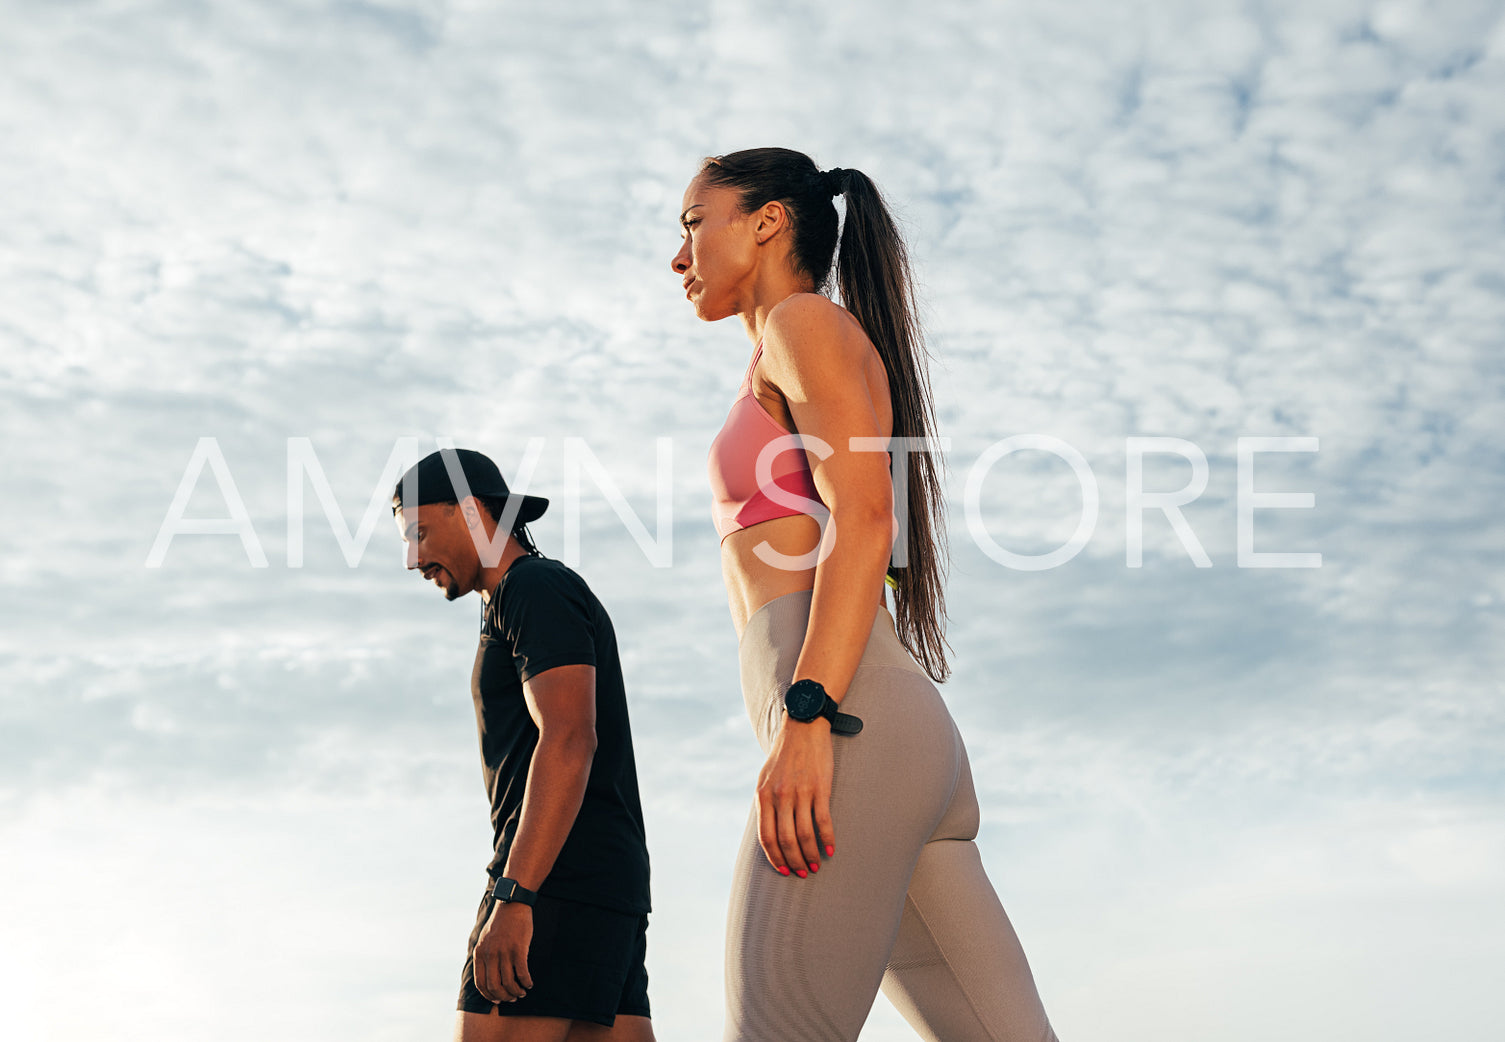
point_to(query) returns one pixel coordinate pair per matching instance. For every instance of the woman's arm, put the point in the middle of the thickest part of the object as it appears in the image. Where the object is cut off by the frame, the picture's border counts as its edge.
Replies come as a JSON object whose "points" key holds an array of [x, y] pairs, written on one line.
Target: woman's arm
{"points": [[817, 357]]}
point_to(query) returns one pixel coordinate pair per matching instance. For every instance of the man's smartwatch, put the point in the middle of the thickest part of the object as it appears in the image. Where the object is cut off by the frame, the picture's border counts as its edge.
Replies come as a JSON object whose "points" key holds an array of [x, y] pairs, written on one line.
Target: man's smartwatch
{"points": [[509, 891], [806, 699]]}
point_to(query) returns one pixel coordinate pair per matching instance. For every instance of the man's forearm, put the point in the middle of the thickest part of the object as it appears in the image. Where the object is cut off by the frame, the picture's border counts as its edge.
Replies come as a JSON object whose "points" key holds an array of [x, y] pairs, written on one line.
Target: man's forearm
{"points": [[557, 777]]}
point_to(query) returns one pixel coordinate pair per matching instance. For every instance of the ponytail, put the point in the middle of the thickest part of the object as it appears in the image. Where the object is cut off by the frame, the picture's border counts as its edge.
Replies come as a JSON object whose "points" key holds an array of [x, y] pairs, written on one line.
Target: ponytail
{"points": [[873, 277]]}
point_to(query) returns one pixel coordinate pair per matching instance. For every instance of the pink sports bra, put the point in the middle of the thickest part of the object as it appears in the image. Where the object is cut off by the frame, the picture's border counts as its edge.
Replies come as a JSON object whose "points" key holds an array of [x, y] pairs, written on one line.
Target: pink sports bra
{"points": [[737, 500]]}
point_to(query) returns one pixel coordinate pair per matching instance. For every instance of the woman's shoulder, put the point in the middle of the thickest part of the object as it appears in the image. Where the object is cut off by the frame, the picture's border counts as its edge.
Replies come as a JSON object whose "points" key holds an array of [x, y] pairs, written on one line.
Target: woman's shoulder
{"points": [[808, 329]]}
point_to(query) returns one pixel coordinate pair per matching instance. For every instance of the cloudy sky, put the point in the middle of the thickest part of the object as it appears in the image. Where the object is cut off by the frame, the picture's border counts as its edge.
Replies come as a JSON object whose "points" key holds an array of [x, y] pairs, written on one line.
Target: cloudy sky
{"points": [[1219, 802]]}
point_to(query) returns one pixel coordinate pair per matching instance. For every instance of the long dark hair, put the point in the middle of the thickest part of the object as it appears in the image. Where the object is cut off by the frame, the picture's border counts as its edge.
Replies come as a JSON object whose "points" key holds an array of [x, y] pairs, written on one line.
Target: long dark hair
{"points": [[496, 506], [873, 277]]}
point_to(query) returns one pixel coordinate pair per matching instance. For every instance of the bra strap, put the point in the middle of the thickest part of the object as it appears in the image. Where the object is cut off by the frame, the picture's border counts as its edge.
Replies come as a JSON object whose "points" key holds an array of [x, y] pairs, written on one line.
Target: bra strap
{"points": [[757, 354]]}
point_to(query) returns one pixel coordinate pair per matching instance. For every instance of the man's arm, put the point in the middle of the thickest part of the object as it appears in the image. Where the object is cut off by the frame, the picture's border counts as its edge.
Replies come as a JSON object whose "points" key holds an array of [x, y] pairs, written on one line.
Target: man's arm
{"points": [[562, 702]]}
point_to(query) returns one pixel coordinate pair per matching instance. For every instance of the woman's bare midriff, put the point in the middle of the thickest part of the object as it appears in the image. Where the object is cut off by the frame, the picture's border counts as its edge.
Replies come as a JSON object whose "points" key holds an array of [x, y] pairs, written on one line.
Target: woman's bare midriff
{"points": [[751, 581]]}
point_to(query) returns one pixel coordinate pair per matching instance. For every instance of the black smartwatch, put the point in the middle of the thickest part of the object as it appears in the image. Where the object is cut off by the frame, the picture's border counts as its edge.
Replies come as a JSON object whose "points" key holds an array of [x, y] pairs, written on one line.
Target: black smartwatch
{"points": [[806, 699], [508, 891]]}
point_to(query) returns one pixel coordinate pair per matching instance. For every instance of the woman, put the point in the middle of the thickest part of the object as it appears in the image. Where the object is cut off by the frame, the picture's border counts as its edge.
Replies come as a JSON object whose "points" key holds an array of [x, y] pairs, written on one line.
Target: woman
{"points": [[858, 867]]}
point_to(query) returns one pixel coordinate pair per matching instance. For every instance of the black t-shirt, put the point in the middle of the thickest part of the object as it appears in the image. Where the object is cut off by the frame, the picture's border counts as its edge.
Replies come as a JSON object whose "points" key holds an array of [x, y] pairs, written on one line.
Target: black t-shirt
{"points": [[542, 615]]}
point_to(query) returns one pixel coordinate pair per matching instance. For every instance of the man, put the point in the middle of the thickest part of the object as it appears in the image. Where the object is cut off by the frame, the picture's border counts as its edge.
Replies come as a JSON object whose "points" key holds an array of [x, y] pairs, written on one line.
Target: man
{"points": [[559, 942]]}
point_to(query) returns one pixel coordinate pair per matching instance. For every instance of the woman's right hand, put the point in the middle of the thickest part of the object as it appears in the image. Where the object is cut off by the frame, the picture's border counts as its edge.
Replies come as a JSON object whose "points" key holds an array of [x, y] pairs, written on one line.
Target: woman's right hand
{"points": [[794, 798]]}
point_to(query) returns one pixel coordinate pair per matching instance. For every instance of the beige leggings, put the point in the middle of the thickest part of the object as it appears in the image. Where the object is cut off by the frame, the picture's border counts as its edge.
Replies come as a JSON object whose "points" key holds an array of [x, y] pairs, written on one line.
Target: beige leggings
{"points": [[905, 902]]}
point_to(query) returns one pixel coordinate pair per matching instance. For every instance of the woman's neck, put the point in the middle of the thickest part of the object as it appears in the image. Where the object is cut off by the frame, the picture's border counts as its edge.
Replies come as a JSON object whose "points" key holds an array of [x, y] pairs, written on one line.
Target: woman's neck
{"points": [[768, 291]]}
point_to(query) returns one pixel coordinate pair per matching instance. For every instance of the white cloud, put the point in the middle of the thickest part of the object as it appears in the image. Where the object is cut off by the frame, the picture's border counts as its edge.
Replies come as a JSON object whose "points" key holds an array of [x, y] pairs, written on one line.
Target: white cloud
{"points": [[357, 222]]}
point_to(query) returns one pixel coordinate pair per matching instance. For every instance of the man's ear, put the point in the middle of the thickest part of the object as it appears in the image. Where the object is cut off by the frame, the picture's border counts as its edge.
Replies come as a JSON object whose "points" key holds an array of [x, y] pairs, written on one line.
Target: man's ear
{"points": [[471, 509], [772, 219]]}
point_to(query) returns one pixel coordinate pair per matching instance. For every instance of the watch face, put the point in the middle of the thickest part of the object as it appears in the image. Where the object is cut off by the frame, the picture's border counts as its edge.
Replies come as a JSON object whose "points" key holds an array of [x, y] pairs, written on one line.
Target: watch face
{"points": [[803, 702]]}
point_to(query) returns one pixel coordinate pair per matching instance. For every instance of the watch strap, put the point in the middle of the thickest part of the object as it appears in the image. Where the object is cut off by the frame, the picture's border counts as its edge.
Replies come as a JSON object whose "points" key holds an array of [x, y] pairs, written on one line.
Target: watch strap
{"points": [[841, 723]]}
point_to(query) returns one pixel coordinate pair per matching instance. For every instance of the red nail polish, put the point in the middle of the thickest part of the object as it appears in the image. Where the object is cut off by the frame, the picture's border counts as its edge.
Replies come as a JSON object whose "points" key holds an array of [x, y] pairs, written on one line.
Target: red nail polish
{"points": [[783, 871], [801, 873], [814, 867], [830, 850]]}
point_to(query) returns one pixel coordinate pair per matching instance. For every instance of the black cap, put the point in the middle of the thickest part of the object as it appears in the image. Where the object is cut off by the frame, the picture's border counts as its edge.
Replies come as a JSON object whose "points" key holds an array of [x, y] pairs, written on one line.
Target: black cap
{"points": [[435, 478]]}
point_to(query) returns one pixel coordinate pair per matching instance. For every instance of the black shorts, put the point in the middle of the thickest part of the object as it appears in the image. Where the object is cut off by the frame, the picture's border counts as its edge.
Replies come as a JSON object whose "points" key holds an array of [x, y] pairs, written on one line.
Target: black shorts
{"points": [[587, 963]]}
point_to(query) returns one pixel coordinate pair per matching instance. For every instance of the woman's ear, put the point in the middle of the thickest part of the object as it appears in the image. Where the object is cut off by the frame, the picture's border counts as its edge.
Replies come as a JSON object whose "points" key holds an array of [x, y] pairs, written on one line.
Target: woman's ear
{"points": [[772, 219]]}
